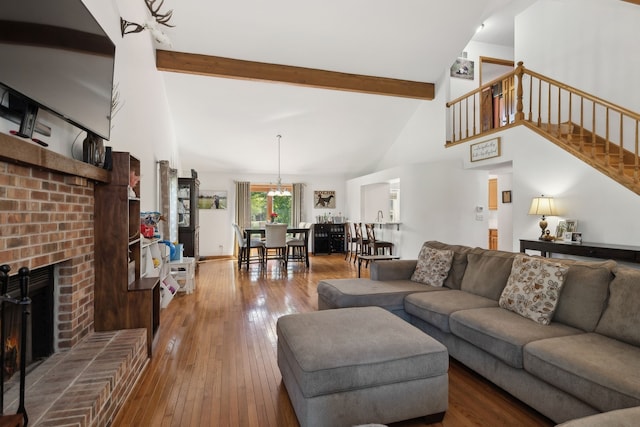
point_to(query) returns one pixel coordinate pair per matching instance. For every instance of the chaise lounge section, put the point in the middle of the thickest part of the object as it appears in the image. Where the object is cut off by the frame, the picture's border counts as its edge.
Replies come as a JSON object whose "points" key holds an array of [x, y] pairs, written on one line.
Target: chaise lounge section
{"points": [[578, 355]]}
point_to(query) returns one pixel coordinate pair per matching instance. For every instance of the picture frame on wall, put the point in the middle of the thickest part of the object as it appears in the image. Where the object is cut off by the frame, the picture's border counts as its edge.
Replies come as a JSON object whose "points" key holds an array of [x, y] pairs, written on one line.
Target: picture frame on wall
{"points": [[463, 68], [324, 199], [212, 199], [485, 150], [506, 196]]}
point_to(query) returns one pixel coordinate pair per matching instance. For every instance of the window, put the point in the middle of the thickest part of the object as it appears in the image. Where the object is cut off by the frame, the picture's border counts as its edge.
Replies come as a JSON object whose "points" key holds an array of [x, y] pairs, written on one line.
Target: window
{"points": [[263, 205]]}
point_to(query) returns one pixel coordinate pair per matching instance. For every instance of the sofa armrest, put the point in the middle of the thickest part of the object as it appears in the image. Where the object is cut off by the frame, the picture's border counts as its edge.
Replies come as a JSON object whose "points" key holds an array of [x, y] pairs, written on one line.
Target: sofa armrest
{"points": [[401, 269]]}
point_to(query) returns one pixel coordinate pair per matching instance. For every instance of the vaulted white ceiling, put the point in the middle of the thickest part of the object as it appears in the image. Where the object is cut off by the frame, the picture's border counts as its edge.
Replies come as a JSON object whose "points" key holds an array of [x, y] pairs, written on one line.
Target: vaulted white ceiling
{"points": [[227, 125]]}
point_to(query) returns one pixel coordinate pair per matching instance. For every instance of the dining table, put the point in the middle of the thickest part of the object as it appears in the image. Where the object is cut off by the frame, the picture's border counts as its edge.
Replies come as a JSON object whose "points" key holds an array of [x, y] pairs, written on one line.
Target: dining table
{"points": [[248, 232]]}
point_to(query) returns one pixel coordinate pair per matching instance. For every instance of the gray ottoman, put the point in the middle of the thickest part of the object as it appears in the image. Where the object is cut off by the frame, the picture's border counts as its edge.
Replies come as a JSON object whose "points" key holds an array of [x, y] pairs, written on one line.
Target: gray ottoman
{"points": [[360, 365]]}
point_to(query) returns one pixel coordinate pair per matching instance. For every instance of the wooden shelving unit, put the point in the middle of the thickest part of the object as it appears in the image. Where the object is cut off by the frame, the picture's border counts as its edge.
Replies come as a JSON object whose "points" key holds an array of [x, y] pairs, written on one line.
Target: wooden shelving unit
{"points": [[123, 300]]}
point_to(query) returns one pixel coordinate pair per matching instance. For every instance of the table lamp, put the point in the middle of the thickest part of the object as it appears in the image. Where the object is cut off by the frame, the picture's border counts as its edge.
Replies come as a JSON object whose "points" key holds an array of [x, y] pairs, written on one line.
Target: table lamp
{"points": [[542, 206]]}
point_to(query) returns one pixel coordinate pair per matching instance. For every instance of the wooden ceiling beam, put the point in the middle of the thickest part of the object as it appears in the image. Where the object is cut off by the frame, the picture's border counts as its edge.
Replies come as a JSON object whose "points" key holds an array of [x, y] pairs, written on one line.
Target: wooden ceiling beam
{"points": [[217, 66]]}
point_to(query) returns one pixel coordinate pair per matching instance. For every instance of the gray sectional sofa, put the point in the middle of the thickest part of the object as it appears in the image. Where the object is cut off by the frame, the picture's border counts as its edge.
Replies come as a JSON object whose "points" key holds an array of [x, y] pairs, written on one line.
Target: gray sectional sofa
{"points": [[586, 361]]}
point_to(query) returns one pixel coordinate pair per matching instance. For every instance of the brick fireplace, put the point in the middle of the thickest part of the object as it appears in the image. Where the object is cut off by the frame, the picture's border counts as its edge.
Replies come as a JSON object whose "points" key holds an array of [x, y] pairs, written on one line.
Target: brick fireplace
{"points": [[47, 219]]}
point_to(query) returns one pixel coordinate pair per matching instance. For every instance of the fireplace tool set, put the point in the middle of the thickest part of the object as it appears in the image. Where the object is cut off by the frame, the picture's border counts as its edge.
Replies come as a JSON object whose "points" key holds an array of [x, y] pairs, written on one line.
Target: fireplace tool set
{"points": [[20, 418]]}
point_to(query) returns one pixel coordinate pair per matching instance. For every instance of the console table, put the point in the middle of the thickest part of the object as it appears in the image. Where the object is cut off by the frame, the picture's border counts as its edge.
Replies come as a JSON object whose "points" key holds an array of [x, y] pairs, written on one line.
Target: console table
{"points": [[584, 249]]}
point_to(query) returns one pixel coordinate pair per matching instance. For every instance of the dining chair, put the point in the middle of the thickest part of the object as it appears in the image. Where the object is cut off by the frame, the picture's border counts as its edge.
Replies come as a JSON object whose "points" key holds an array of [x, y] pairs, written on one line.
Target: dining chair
{"points": [[374, 244], [275, 243], [362, 243], [297, 236], [297, 246], [243, 253]]}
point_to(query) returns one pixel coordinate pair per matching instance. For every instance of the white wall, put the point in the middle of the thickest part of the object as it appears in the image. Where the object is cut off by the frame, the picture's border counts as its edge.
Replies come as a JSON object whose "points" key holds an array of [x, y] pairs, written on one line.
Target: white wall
{"points": [[216, 235], [586, 44], [589, 44], [375, 201], [475, 50], [143, 125], [505, 210], [436, 199]]}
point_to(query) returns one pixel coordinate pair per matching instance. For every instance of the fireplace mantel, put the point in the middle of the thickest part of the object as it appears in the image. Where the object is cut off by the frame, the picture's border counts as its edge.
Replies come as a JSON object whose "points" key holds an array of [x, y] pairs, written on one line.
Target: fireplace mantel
{"points": [[17, 150]]}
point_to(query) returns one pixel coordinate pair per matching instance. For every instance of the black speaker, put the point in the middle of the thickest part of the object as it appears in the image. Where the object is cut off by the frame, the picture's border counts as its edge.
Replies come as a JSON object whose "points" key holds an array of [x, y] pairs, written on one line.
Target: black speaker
{"points": [[108, 159]]}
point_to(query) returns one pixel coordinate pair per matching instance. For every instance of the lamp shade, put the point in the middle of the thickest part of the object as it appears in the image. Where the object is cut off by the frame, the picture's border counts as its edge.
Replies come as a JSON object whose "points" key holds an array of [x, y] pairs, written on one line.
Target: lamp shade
{"points": [[542, 206]]}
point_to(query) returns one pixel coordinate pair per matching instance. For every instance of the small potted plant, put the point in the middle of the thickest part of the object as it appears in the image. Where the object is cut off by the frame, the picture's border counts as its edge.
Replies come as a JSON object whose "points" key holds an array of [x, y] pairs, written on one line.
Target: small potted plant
{"points": [[273, 217]]}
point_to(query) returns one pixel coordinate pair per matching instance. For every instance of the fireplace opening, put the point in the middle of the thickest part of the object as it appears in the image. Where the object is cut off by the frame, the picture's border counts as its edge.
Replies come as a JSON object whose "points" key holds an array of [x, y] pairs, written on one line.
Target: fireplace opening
{"points": [[39, 343]]}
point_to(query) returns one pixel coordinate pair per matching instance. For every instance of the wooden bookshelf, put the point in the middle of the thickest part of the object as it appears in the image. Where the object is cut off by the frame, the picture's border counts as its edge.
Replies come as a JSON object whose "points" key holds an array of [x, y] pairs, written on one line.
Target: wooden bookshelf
{"points": [[123, 300]]}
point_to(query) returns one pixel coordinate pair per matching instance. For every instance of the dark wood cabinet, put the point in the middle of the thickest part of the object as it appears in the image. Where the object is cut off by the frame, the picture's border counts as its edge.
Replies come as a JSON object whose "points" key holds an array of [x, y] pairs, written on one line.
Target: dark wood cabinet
{"points": [[328, 238], [123, 300], [592, 250], [188, 221]]}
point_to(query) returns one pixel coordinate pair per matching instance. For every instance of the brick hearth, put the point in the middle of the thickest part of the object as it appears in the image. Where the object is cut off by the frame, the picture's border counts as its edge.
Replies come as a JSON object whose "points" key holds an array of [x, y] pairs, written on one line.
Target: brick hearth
{"points": [[86, 385]]}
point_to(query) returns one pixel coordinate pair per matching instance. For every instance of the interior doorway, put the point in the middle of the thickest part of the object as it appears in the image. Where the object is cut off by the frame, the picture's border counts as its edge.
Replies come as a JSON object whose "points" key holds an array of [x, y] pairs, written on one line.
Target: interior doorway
{"points": [[500, 225], [497, 99], [492, 68]]}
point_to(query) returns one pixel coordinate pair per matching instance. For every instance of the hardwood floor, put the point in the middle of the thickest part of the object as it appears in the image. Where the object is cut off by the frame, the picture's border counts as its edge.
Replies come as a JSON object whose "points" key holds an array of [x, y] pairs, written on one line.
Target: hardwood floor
{"points": [[215, 360]]}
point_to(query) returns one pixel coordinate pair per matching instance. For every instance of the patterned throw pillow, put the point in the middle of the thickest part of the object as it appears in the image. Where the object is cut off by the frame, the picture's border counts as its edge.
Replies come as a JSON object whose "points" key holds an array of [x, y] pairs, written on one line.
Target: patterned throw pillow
{"points": [[433, 266], [533, 288]]}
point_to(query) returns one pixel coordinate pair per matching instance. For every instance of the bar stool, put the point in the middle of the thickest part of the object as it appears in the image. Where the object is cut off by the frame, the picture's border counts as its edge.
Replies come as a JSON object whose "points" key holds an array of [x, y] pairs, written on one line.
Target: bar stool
{"points": [[361, 242], [351, 241], [376, 245]]}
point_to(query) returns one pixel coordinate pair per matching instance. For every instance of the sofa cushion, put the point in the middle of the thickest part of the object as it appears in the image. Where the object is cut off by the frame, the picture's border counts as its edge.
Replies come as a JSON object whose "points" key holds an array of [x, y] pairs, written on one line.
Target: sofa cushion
{"points": [[627, 417], [584, 293], [487, 272], [399, 269], [436, 307], [503, 333], [621, 317], [603, 372], [433, 266], [533, 288], [458, 265], [341, 293]]}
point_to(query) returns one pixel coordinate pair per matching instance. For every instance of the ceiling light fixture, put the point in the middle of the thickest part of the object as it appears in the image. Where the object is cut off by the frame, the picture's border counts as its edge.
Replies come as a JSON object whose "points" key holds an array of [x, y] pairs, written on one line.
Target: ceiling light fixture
{"points": [[480, 28], [279, 191]]}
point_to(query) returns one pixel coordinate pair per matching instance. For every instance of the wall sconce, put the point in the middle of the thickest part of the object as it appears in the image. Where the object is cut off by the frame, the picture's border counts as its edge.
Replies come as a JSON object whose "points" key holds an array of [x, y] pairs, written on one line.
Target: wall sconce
{"points": [[543, 206], [128, 27]]}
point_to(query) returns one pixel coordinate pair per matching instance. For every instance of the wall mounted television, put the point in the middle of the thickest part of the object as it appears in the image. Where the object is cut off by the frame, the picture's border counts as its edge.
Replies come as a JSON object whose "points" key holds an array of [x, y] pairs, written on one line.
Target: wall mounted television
{"points": [[55, 55]]}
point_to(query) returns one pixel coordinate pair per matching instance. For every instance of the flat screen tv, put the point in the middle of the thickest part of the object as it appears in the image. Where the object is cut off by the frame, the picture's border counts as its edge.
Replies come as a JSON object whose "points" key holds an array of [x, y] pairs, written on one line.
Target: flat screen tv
{"points": [[55, 55]]}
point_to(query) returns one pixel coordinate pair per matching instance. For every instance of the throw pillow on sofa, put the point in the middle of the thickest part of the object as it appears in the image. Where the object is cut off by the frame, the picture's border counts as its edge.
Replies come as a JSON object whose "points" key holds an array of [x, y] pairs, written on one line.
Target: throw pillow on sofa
{"points": [[533, 288], [433, 266]]}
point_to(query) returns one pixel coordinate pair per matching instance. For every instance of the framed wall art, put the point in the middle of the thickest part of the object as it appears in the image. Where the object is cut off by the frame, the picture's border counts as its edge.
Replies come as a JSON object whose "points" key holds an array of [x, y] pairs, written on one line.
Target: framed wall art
{"points": [[212, 199], [463, 69], [485, 150], [324, 199], [506, 196]]}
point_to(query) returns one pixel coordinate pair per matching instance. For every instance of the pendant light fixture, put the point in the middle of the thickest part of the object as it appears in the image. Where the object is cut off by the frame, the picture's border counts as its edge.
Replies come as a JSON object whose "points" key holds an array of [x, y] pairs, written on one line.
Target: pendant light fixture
{"points": [[279, 191]]}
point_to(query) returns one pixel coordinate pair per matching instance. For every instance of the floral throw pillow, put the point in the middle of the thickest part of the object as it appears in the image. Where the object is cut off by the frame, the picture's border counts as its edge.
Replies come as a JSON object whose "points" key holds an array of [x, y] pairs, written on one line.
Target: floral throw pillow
{"points": [[533, 288], [433, 266]]}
